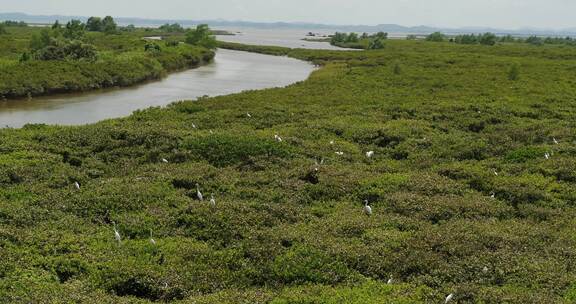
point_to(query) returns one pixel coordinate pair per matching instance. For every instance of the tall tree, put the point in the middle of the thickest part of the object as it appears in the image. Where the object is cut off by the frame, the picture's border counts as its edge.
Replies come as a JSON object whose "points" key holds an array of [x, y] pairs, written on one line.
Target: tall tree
{"points": [[201, 36], [56, 25], [488, 39], [109, 25], [74, 29], [94, 24]]}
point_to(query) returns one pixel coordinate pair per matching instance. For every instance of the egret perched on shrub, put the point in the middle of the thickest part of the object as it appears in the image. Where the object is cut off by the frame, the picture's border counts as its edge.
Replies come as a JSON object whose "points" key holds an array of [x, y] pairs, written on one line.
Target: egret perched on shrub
{"points": [[367, 209], [198, 193], [212, 201], [449, 298], [495, 172], [116, 234], [369, 154], [340, 153], [389, 280], [555, 141], [193, 126], [248, 115], [77, 185], [547, 155], [164, 160], [277, 138]]}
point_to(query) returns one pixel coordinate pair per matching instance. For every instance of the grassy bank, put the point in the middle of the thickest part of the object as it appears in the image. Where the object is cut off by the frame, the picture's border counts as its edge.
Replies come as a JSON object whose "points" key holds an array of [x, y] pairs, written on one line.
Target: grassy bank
{"points": [[464, 200], [121, 60]]}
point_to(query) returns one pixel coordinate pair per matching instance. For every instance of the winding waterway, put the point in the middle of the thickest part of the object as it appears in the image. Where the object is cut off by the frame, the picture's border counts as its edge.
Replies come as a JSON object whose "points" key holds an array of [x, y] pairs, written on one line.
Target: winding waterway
{"points": [[231, 72]]}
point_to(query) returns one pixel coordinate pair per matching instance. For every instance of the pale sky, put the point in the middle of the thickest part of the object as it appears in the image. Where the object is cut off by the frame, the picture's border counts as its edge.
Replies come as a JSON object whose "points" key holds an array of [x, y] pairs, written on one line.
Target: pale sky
{"points": [[510, 14]]}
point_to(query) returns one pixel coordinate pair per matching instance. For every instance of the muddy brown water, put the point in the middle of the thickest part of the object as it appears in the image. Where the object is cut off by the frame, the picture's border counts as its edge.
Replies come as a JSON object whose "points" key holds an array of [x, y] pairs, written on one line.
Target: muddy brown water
{"points": [[231, 72]]}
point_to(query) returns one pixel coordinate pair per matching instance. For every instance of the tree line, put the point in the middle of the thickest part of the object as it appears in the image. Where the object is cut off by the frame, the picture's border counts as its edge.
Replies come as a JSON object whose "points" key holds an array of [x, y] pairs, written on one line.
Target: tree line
{"points": [[10, 23], [492, 39]]}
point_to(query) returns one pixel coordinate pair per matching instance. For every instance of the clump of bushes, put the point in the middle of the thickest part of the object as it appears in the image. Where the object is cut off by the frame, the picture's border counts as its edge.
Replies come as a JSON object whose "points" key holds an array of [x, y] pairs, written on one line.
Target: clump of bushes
{"points": [[52, 45], [201, 36], [224, 150], [67, 50], [352, 40], [172, 28], [106, 25], [436, 37], [514, 72], [484, 39]]}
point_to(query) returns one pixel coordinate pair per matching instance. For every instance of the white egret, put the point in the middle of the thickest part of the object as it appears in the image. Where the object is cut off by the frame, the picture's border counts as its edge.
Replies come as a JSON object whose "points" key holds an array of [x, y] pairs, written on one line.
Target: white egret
{"points": [[212, 201], [389, 280], [367, 208], [77, 185], [331, 142], [495, 172], [493, 195], [248, 115], [198, 193], [193, 126], [369, 154], [547, 155], [555, 141], [340, 153], [164, 160], [277, 138], [152, 240], [117, 234], [449, 298]]}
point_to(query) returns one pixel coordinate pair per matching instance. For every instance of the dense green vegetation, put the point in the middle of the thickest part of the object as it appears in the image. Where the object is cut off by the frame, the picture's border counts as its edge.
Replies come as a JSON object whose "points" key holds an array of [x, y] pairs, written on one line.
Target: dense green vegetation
{"points": [[97, 24], [14, 23], [79, 57], [436, 37], [464, 199], [172, 28], [364, 41], [492, 39], [201, 36], [484, 39]]}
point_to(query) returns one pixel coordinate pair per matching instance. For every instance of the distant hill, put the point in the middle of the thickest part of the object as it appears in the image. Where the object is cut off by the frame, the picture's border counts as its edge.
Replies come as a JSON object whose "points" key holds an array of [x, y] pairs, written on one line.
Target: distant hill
{"points": [[390, 28]]}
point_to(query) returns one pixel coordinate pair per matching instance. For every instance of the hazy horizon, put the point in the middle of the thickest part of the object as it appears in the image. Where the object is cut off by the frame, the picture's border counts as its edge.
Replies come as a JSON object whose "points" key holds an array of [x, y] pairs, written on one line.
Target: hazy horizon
{"points": [[510, 14]]}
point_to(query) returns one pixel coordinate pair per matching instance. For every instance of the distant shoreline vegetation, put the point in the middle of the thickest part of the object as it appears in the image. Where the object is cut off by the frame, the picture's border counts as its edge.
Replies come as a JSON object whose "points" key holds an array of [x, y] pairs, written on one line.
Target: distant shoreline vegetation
{"points": [[78, 56], [367, 41], [355, 41], [492, 39]]}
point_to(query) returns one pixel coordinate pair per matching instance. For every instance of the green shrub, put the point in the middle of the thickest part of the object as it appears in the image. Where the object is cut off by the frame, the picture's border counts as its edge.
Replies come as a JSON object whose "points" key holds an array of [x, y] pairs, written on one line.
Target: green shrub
{"points": [[525, 154], [514, 72], [224, 150], [303, 264]]}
